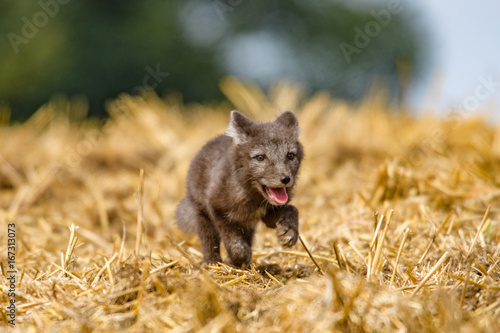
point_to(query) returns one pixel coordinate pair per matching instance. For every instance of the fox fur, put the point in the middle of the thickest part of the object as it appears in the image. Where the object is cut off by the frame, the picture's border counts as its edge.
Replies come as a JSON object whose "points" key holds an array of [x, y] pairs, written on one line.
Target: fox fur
{"points": [[239, 179]]}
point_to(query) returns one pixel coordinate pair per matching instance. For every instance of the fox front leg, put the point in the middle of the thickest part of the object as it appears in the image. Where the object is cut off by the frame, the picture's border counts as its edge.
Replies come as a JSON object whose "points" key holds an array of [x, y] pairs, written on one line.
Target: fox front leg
{"points": [[238, 241], [286, 221]]}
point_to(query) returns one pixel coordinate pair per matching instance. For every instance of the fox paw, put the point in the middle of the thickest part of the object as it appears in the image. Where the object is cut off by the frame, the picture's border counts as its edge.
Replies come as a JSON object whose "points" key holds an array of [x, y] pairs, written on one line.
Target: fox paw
{"points": [[287, 235], [239, 255]]}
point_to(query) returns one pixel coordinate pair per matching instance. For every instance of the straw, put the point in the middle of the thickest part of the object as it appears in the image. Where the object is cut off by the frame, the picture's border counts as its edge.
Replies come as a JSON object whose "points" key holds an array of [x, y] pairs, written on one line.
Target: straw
{"points": [[434, 175]]}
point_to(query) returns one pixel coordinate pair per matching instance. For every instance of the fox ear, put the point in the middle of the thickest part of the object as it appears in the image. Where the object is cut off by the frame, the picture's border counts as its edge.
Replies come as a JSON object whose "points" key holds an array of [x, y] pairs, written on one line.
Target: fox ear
{"points": [[290, 121], [238, 127]]}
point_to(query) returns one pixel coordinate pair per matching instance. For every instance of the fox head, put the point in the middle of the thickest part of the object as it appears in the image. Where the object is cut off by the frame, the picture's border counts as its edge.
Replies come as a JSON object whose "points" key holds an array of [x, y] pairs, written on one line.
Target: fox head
{"points": [[267, 156]]}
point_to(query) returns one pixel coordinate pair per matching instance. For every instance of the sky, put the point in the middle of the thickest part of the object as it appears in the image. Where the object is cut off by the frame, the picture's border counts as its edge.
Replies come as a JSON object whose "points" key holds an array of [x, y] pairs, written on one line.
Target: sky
{"points": [[464, 70]]}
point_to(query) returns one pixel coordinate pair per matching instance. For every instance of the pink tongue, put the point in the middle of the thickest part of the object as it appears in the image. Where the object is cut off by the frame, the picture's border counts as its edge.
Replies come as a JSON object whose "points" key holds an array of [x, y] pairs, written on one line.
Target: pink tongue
{"points": [[278, 194]]}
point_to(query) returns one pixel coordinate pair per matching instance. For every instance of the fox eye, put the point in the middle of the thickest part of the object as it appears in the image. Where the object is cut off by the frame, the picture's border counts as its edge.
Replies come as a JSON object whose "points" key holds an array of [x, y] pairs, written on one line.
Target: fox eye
{"points": [[260, 158], [290, 156]]}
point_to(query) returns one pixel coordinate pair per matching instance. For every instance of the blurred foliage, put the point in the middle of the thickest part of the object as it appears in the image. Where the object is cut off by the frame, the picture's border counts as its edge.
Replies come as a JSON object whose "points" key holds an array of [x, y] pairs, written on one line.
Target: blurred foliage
{"points": [[103, 48]]}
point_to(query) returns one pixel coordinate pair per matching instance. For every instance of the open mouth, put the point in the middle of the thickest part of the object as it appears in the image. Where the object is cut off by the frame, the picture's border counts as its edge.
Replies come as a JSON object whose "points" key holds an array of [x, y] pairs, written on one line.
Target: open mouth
{"points": [[277, 194]]}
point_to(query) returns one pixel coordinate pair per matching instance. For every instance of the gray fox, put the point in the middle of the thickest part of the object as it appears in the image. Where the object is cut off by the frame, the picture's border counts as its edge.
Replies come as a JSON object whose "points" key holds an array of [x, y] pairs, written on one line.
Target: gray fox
{"points": [[238, 179]]}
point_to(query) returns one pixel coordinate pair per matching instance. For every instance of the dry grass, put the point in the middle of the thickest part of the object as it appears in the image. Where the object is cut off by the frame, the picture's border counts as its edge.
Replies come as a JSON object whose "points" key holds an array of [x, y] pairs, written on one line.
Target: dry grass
{"points": [[428, 261]]}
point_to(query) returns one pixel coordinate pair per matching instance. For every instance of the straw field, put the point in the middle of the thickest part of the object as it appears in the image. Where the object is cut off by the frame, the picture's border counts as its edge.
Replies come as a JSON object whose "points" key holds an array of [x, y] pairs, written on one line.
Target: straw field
{"points": [[400, 214]]}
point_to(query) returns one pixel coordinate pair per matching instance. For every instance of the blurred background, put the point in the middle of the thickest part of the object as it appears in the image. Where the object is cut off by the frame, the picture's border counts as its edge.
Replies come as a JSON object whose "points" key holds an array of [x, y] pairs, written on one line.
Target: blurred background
{"points": [[438, 55]]}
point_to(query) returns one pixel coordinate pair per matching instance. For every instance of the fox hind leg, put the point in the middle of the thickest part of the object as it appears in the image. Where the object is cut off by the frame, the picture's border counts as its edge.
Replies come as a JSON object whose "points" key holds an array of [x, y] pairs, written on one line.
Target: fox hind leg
{"points": [[191, 219], [210, 239]]}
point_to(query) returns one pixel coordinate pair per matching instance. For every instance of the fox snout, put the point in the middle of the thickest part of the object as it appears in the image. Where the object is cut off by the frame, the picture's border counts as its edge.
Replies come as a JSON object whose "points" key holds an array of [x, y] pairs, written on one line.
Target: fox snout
{"points": [[276, 189], [278, 181], [285, 179]]}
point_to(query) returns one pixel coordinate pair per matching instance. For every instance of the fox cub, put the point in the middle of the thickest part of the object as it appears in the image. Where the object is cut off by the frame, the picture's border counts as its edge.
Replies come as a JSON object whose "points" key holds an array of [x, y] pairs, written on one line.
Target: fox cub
{"points": [[238, 179]]}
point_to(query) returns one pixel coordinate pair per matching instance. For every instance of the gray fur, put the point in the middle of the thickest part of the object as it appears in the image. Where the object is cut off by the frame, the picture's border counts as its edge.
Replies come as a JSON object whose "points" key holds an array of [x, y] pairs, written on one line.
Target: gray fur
{"points": [[226, 195]]}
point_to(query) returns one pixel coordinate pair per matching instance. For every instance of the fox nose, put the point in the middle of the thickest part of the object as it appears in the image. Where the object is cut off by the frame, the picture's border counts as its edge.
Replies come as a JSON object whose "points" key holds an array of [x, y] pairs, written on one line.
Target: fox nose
{"points": [[285, 179]]}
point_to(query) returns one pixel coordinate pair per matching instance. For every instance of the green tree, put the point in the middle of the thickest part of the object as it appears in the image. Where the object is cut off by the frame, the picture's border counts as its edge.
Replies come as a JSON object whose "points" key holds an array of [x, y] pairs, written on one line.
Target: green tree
{"points": [[103, 48]]}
